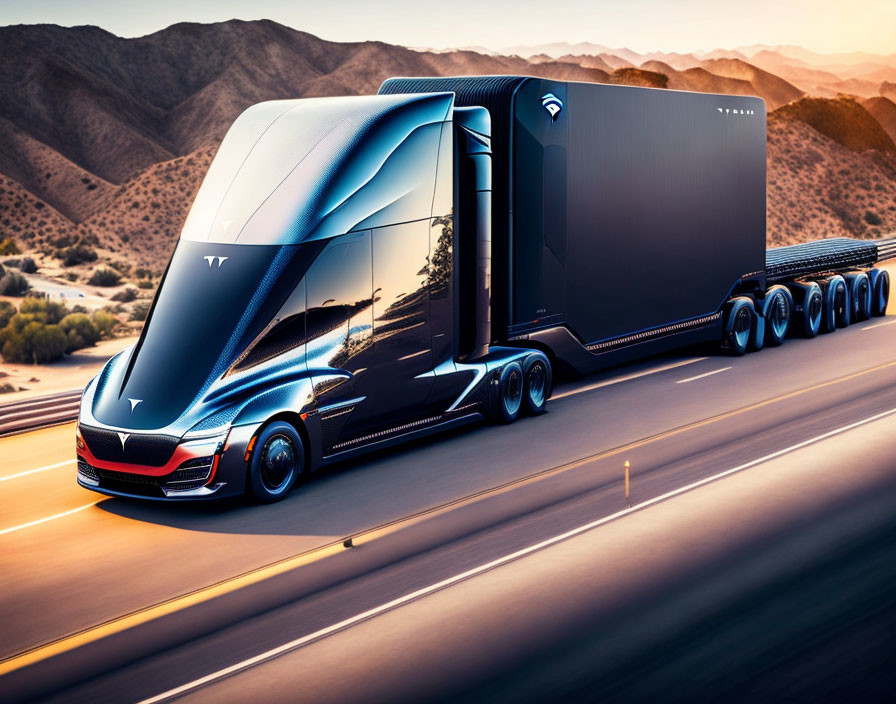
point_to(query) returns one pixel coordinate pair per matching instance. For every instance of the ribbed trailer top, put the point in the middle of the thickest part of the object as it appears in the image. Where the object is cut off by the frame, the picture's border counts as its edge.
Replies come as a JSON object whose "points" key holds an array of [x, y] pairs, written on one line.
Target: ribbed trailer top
{"points": [[825, 255]]}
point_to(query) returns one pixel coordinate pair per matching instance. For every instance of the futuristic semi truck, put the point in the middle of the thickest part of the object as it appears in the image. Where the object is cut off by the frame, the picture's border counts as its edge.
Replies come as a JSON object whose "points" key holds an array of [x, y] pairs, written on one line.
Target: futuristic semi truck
{"points": [[358, 271]]}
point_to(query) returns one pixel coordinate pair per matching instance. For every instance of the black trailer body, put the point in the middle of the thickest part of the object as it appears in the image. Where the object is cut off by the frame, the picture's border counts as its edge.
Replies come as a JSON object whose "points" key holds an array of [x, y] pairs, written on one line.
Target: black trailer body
{"points": [[623, 218]]}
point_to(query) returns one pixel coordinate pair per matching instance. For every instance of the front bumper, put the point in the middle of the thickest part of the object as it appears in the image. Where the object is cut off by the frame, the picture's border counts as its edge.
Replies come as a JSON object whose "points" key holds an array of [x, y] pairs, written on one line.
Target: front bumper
{"points": [[203, 468]]}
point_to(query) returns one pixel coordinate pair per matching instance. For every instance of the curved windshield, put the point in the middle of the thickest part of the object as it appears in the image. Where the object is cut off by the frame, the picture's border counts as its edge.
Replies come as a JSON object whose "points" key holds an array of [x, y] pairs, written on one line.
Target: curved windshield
{"points": [[213, 301]]}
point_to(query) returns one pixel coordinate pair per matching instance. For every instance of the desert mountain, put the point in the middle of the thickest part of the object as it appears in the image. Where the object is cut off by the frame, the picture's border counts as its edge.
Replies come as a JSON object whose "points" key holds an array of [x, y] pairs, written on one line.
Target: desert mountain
{"points": [[105, 140]]}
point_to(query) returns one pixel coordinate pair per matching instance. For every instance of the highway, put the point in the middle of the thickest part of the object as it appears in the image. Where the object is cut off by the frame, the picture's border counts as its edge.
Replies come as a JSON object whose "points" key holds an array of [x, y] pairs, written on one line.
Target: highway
{"points": [[497, 563]]}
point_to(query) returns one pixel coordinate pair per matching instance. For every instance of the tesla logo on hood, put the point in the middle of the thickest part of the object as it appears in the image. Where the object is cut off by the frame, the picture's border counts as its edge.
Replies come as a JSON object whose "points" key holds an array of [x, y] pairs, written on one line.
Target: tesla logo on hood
{"points": [[124, 438], [552, 104], [135, 402], [211, 258]]}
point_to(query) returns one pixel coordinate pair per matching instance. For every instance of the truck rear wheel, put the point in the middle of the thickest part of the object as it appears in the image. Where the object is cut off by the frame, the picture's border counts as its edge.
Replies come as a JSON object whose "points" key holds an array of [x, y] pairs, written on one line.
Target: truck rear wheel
{"points": [[859, 295], [510, 393], [881, 292], [809, 307], [777, 310], [836, 304], [538, 384], [738, 326]]}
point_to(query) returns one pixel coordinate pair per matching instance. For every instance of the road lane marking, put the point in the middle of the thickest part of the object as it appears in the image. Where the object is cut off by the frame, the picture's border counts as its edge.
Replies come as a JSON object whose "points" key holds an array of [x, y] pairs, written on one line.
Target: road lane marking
{"points": [[627, 377], [701, 376], [877, 325], [35, 471], [498, 562], [226, 586], [48, 518]]}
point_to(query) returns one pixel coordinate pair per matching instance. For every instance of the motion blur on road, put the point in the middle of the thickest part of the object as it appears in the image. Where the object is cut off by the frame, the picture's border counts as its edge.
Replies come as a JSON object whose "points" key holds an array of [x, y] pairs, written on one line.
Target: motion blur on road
{"points": [[756, 561]]}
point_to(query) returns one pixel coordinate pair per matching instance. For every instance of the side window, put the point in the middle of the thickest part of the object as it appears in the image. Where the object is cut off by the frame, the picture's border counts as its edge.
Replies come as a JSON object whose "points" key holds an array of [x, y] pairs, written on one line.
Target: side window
{"points": [[287, 334], [339, 295], [400, 272]]}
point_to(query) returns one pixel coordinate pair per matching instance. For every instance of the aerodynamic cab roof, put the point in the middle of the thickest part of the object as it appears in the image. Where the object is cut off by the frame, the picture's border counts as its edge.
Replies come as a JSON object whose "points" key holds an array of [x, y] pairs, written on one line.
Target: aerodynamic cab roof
{"points": [[289, 171]]}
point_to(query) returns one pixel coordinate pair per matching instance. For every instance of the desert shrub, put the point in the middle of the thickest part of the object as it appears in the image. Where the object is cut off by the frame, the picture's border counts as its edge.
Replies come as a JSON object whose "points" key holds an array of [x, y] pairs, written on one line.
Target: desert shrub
{"points": [[7, 310], [145, 283], [27, 266], [76, 254], [43, 310], [14, 284], [139, 311], [105, 322], [80, 331], [872, 218], [8, 246], [31, 341], [72, 275], [142, 273], [121, 267], [125, 295], [14, 263], [105, 277]]}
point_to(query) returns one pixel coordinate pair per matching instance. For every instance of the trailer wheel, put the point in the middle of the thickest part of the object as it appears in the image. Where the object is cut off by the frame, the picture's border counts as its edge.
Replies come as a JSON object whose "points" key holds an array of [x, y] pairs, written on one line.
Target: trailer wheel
{"points": [[808, 307], [881, 292], [777, 310], [836, 304], [738, 326], [538, 384], [859, 295], [277, 461], [510, 393]]}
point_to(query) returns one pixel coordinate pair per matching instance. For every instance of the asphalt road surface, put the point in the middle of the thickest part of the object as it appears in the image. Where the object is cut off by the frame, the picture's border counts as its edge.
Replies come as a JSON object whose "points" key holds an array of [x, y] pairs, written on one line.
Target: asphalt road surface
{"points": [[498, 563]]}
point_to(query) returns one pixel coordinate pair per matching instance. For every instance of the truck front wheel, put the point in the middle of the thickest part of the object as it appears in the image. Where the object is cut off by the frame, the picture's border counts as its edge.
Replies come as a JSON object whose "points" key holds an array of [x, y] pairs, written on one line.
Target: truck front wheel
{"points": [[278, 459]]}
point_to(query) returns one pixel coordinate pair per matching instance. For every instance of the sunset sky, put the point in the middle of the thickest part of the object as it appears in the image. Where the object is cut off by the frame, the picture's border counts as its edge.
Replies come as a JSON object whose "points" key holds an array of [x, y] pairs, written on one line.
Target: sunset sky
{"points": [[643, 25]]}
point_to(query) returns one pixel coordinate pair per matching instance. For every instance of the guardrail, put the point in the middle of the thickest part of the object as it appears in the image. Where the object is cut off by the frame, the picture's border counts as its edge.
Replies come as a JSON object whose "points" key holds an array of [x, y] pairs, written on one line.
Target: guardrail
{"points": [[18, 416]]}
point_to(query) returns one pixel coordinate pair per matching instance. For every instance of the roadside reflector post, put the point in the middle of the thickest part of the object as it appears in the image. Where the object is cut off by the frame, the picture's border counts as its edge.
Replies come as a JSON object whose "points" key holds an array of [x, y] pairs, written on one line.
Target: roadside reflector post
{"points": [[628, 496], [348, 543]]}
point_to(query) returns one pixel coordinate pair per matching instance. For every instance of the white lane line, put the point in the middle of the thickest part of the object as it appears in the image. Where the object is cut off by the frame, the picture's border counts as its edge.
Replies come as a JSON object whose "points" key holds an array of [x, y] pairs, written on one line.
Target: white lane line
{"points": [[425, 591], [48, 518], [35, 471], [701, 376], [628, 377], [877, 325]]}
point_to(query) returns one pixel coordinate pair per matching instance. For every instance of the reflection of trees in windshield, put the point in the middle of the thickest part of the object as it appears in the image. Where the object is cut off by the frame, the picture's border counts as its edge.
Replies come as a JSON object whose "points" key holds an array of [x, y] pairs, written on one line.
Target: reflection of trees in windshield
{"points": [[440, 260]]}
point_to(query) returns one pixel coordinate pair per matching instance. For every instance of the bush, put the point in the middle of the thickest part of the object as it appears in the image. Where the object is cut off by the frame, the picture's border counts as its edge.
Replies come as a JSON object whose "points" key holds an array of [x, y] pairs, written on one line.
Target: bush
{"points": [[8, 246], [121, 267], [872, 218], [28, 266], [14, 284], [78, 254], [141, 273], [105, 322], [125, 295], [139, 311], [145, 283], [80, 331], [105, 277], [32, 341], [43, 310], [7, 310]]}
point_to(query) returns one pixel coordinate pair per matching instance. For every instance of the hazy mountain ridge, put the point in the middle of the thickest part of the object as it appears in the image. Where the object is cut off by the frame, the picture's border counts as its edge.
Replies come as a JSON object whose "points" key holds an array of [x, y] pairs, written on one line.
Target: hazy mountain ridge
{"points": [[106, 139]]}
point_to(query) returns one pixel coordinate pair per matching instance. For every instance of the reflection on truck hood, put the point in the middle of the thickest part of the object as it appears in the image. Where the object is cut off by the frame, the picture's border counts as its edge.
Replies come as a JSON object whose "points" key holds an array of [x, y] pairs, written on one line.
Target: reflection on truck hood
{"points": [[213, 301]]}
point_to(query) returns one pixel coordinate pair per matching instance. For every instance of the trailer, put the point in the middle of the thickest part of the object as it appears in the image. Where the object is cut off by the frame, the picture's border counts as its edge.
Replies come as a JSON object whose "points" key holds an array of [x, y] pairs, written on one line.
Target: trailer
{"points": [[359, 271]]}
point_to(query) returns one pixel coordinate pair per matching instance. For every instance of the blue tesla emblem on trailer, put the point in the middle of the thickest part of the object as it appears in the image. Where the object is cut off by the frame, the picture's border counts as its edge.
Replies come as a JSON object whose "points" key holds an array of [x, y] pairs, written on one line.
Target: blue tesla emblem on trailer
{"points": [[552, 104]]}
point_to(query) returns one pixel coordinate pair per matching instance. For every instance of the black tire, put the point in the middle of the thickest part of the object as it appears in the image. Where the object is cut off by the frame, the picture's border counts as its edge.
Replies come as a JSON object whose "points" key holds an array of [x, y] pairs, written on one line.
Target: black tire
{"points": [[836, 304], [881, 293], [808, 307], [537, 373], [278, 460], [739, 324], [510, 394], [859, 295], [777, 313]]}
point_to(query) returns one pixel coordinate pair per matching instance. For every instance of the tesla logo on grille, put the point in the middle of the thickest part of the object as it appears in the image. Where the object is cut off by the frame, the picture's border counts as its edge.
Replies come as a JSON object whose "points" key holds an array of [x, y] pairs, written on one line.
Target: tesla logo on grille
{"points": [[552, 104], [124, 438], [135, 402], [211, 258]]}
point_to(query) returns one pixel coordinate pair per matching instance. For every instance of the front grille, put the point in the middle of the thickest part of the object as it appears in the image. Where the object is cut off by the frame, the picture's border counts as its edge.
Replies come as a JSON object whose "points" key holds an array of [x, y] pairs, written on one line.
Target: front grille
{"points": [[142, 449], [192, 474], [87, 470]]}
